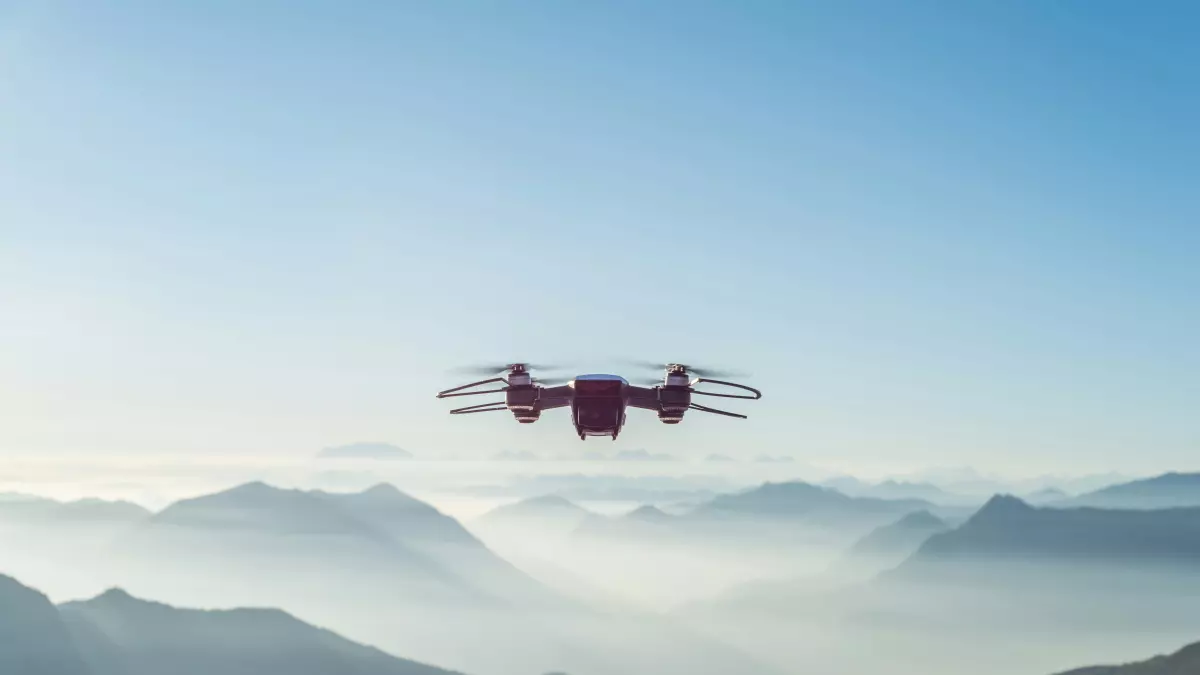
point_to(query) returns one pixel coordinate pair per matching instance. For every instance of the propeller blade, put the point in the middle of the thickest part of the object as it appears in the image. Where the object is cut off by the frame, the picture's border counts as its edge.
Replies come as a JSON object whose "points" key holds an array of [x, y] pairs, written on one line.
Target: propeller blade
{"points": [[708, 372], [647, 382], [647, 365], [498, 368], [552, 382], [699, 372]]}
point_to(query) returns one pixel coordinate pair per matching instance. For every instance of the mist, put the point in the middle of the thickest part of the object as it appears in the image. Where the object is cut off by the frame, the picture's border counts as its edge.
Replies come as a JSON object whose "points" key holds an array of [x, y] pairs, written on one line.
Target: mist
{"points": [[494, 568]]}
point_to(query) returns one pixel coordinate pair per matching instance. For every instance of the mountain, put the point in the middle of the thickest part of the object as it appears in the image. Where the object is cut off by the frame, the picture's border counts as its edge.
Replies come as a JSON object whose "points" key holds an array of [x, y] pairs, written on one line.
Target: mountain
{"points": [[719, 458], [33, 638], [1160, 492], [1046, 496], [118, 634], [649, 513], [549, 514], [365, 451], [898, 489], [1009, 535], [334, 545], [889, 545], [800, 499], [402, 517], [27, 509], [1186, 661], [259, 507]]}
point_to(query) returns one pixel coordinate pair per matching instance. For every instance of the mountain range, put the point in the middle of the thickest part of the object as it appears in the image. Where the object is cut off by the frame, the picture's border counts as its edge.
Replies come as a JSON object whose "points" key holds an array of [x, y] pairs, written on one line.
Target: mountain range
{"points": [[117, 634], [320, 540], [1008, 530], [365, 451], [1170, 490], [1186, 661]]}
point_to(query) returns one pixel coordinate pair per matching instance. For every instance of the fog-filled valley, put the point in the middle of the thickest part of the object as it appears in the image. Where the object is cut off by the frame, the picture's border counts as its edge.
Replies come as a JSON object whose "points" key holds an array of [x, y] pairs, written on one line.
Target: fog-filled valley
{"points": [[603, 568]]}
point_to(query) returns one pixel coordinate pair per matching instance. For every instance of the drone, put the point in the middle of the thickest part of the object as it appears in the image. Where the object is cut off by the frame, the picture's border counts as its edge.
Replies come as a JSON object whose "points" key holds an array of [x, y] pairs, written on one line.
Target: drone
{"points": [[597, 401]]}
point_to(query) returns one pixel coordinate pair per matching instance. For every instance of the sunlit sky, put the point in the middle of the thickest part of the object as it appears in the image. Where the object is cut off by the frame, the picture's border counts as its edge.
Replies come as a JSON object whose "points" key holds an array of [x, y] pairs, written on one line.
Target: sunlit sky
{"points": [[934, 233]]}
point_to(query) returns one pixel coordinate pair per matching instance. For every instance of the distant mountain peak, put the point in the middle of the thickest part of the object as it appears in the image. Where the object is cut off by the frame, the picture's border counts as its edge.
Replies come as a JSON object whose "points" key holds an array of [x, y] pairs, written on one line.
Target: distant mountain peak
{"points": [[552, 505], [365, 450], [1177, 477], [384, 490], [114, 595], [648, 512], [550, 500], [253, 487], [1003, 505], [920, 519]]}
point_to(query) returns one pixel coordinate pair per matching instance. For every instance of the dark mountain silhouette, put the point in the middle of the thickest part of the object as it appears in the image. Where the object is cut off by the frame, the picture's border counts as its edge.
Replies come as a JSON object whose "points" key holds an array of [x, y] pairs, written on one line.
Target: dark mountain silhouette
{"points": [[118, 634], [365, 451], [1008, 527], [1169, 490], [1009, 544], [33, 638], [1186, 661]]}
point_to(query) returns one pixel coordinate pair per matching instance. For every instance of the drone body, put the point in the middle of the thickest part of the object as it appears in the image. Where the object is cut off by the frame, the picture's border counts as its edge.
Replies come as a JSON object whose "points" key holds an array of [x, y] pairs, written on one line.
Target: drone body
{"points": [[598, 402]]}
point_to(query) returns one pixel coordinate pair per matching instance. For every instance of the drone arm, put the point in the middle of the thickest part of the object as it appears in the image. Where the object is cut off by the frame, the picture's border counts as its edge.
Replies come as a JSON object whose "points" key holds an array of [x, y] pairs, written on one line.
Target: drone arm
{"points": [[482, 407], [755, 394], [458, 391], [554, 397], [701, 408], [643, 397]]}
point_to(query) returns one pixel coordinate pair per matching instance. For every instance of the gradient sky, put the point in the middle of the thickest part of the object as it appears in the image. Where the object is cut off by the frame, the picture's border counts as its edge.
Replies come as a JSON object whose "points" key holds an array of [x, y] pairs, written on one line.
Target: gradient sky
{"points": [[935, 233]]}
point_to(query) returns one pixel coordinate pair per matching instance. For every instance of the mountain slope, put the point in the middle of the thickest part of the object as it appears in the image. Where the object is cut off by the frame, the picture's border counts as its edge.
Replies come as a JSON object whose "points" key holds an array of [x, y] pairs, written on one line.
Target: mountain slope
{"points": [[121, 635], [386, 509], [33, 639], [891, 544], [365, 451], [1170, 490], [330, 546], [1008, 529], [793, 499], [1186, 661], [30, 510], [551, 512]]}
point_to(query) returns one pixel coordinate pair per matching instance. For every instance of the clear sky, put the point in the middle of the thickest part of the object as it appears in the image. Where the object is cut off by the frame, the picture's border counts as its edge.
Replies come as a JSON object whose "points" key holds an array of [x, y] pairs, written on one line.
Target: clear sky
{"points": [[935, 233]]}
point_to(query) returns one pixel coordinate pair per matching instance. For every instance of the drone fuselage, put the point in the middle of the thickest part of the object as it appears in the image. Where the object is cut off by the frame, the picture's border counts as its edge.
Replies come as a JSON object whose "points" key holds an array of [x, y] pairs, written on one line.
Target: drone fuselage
{"points": [[598, 401], [598, 404]]}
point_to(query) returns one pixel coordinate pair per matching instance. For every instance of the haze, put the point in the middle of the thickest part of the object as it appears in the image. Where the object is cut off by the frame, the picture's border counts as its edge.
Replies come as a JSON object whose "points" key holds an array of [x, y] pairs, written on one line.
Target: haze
{"points": [[243, 244]]}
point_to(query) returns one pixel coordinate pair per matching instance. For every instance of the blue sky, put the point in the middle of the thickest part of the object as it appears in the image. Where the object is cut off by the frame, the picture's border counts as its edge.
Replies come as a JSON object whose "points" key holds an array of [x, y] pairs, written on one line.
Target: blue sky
{"points": [[936, 233]]}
